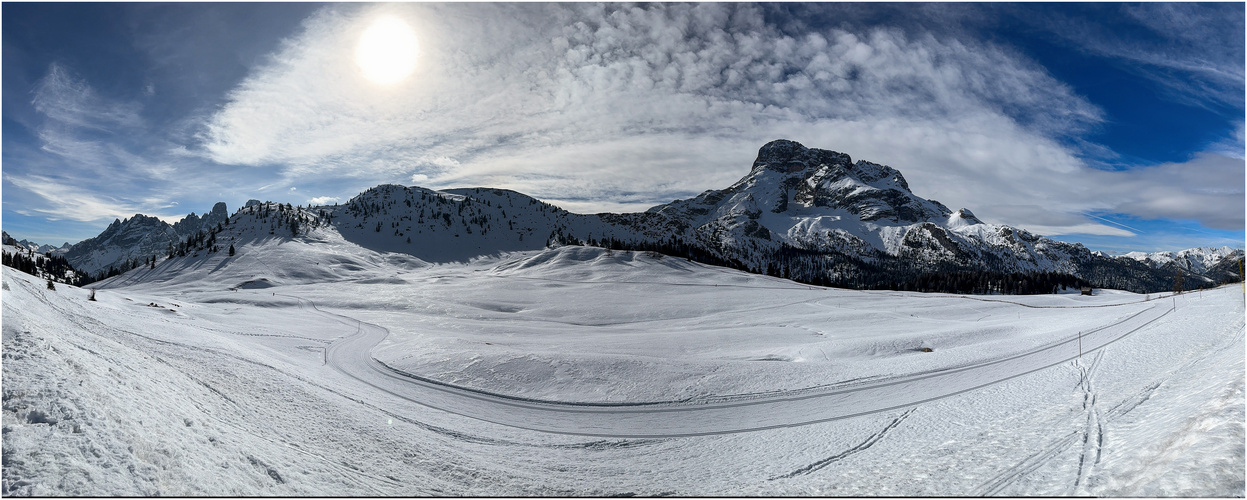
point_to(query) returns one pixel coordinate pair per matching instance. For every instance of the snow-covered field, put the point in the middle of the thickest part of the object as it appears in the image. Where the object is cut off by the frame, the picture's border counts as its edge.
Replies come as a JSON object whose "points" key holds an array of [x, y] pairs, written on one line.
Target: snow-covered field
{"points": [[322, 368]]}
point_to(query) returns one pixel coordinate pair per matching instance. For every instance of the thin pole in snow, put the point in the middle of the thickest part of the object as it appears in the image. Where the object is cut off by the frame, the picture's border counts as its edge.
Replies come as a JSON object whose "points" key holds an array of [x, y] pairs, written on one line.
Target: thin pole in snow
{"points": [[1079, 345]]}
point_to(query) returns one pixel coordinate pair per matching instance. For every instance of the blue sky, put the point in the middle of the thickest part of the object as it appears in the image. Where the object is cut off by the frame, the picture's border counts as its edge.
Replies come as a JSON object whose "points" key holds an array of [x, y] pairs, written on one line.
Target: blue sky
{"points": [[1116, 125]]}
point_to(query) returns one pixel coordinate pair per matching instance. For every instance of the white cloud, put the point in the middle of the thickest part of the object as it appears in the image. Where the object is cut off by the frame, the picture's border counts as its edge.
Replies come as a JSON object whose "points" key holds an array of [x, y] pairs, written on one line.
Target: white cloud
{"points": [[1232, 146], [589, 105], [1080, 228], [71, 102], [1208, 188], [66, 201], [323, 200]]}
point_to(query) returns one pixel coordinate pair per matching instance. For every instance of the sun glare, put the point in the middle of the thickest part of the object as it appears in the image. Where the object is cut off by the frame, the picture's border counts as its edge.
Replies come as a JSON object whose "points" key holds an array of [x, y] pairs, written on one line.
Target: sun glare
{"points": [[387, 51]]}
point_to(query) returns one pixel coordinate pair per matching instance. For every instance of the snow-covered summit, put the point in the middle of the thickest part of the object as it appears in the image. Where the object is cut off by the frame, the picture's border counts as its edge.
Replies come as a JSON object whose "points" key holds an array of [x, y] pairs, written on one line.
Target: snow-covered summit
{"points": [[789, 178], [1196, 260], [822, 201], [962, 218], [822, 178], [445, 226]]}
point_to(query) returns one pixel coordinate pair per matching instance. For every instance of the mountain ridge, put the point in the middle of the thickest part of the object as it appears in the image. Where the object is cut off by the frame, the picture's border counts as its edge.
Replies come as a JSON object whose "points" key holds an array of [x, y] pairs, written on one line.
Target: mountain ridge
{"points": [[140, 236], [807, 214]]}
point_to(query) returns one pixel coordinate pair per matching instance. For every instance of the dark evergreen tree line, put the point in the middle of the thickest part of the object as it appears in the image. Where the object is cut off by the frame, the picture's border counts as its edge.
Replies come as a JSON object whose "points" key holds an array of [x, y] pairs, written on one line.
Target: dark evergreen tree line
{"points": [[53, 267], [833, 270]]}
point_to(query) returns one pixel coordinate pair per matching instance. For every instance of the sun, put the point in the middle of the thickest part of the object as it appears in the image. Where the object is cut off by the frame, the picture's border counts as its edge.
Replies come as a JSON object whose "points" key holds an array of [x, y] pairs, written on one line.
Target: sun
{"points": [[387, 51]]}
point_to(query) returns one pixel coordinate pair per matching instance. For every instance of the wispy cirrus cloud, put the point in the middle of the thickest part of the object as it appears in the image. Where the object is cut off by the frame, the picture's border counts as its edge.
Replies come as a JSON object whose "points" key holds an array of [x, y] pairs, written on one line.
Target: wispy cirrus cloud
{"points": [[1205, 46], [1194, 51], [69, 102], [95, 158], [71, 201]]}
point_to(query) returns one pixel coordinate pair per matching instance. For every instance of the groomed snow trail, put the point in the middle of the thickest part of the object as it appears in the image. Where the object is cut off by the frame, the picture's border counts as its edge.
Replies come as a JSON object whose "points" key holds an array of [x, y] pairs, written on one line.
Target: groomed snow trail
{"points": [[352, 356]]}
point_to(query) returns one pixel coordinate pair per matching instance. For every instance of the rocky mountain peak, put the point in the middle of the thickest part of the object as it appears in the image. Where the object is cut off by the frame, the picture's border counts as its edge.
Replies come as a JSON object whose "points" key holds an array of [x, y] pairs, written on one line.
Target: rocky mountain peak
{"points": [[787, 156], [965, 216], [791, 157], [138, 237], [822, 178], [789, 178], [192, 223]]}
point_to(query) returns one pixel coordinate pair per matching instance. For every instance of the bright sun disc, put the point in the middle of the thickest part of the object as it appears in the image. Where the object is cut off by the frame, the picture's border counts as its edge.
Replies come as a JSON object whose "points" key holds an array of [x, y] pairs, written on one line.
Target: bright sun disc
{"points": [[387, 51]]}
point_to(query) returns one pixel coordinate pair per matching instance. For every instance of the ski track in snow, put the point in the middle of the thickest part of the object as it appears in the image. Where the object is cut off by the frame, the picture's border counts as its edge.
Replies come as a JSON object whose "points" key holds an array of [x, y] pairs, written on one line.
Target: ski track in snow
{"points": [[874, 438], [1092, 436]]}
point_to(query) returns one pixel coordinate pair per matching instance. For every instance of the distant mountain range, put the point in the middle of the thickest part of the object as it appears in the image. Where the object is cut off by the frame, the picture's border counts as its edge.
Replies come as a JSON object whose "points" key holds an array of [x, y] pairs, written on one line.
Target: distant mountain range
{"points": [[132, 239], [801, 213], [1195, 260], [35, 247]]}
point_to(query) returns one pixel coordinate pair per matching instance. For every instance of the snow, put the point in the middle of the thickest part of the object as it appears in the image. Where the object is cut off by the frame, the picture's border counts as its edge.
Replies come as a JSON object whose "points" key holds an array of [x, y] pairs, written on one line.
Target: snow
{"points": [[961, 218], [580, 371], [1192, 259]]}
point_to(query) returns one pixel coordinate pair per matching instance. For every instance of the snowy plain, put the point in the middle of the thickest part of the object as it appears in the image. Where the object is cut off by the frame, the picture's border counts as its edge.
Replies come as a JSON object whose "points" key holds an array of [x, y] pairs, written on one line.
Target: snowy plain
{"points": [[318, 367]]}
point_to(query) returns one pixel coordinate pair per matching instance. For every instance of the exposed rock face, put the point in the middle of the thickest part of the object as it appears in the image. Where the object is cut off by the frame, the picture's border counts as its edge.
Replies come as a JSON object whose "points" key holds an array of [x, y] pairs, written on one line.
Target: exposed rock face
{"points": [[122, 240], [821, 178], [138, 237]]}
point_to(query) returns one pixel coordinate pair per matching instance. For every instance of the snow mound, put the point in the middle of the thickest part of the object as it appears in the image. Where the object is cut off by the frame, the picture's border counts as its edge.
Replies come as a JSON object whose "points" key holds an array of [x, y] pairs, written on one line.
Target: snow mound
{"points": [[255, 284]]}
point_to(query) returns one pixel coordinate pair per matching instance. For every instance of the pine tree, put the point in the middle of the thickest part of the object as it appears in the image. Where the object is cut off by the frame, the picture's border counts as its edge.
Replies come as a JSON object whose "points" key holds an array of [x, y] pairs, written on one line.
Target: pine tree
{"points": [[51, 286], [231, 250]]}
